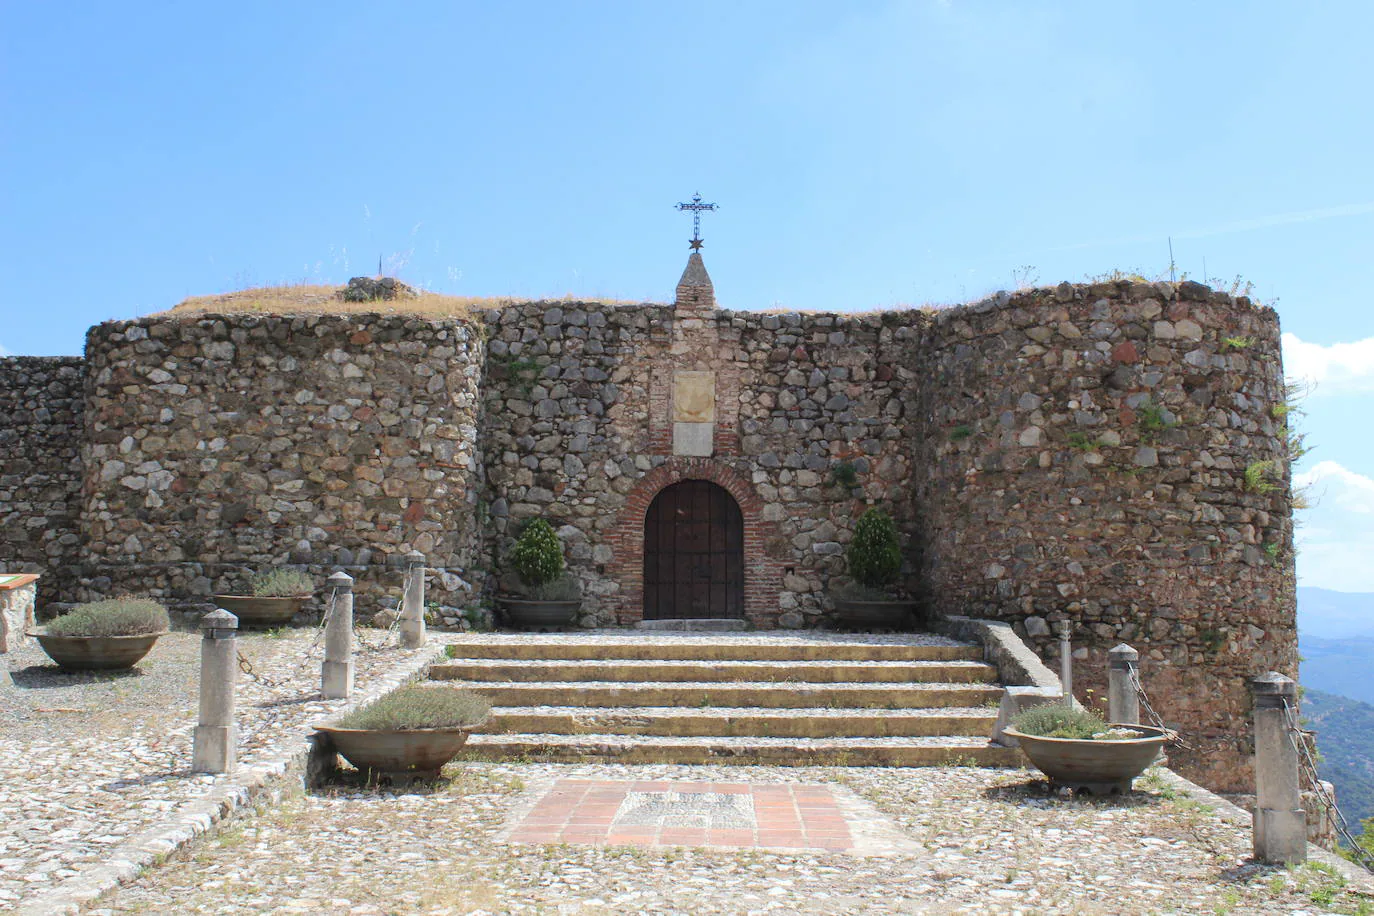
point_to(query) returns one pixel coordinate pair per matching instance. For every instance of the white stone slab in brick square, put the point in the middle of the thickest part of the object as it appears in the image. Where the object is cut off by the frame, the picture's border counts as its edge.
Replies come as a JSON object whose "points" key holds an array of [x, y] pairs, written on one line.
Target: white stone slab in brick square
{"points": [[693, 439]]}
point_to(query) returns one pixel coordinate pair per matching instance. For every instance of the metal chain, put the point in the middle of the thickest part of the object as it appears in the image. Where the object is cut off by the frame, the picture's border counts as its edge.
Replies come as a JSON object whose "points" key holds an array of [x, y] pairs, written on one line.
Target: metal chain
{"points": [[386, 643], [1309, 765], [1172, 735], [272, 683]]}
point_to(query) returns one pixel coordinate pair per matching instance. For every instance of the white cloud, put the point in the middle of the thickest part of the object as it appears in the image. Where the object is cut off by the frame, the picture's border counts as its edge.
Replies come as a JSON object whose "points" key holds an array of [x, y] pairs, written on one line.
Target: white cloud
{"points": [[1335, 369], [1335, 538], [3, 351]]}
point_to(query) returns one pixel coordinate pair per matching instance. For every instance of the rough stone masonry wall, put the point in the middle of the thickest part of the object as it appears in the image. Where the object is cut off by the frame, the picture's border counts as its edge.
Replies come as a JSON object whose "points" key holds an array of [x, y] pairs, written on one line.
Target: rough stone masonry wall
{"points": [[40, 470], [217, 445], [1086, 459], [574, 430]]}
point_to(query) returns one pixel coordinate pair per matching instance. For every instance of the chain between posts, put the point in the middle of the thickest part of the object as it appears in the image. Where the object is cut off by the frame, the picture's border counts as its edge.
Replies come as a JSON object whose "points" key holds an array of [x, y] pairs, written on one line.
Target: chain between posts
{"points": [[1172, 735], [1309, 766], [272, 683]]}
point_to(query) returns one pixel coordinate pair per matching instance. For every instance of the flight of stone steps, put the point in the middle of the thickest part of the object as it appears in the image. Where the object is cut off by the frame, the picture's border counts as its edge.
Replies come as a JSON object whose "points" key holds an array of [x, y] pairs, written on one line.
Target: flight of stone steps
{"points": [[781, 699]]}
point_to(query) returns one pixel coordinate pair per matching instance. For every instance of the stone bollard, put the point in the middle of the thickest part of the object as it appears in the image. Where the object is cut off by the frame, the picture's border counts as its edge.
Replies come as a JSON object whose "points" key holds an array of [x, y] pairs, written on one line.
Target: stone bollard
{"points": [[1123, 705], [1280, 824], [413, 607], [214, 746], [1066, 661], [336, 674]]}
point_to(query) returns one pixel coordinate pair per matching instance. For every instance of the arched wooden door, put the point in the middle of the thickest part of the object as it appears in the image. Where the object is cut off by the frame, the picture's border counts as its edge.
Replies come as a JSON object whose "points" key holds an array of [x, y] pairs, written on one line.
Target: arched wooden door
{"points": [[693, 553]]}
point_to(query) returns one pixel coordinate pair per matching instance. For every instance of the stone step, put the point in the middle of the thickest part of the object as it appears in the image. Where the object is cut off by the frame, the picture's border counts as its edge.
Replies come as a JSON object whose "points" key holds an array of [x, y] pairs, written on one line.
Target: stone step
{"points": [[769, 695], [742, 722], [896, 752], [625, 671], [715, 649]]}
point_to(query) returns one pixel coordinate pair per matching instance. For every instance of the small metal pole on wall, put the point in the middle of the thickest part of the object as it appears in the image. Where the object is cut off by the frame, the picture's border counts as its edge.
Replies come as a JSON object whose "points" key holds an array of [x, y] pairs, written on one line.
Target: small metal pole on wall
{"points": [[215, 741], [1066, 661], [336, 675], [1123, 705], [413, 605], [1280, 823]]}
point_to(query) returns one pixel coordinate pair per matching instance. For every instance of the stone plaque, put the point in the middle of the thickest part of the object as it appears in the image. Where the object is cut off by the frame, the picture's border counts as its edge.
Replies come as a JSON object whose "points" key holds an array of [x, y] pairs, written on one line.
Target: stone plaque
{"points": [[694, 397], [695, 440]]}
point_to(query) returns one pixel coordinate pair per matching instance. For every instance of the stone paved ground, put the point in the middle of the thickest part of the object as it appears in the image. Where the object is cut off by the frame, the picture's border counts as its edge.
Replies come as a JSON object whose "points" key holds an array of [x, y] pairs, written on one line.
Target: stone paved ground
{"points": [[89, 760], [967, 841]]}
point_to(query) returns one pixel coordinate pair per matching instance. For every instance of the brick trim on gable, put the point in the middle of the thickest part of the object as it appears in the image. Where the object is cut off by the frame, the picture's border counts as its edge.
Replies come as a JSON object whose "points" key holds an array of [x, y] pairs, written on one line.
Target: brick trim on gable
{"points": [[762, 573]]}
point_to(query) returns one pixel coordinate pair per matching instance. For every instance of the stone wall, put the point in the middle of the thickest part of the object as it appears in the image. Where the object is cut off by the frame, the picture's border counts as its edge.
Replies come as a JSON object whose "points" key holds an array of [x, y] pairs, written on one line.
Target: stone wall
{"points": [[216, 445], [576, 430], [1085, 459], [1073, 453], [40, 470]]}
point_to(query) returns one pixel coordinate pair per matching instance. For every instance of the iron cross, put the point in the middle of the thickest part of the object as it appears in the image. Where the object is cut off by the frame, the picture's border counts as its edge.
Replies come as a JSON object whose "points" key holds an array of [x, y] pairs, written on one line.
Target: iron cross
{"points": [[696, 206]]}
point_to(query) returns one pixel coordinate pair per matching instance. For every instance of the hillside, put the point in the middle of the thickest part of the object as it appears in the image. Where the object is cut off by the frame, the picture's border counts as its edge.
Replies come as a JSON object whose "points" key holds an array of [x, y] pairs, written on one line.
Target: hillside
{"points": [[1345, 738]]}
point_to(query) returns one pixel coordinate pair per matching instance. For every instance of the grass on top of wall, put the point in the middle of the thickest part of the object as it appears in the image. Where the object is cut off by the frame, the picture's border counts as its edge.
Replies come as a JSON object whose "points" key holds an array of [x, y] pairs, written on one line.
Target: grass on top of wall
{"points": [[308, 299]]}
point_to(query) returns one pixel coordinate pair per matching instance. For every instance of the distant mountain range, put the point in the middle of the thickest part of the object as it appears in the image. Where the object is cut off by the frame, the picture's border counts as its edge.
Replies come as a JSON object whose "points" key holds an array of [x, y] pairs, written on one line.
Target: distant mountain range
{"points": [[1336, 644]]}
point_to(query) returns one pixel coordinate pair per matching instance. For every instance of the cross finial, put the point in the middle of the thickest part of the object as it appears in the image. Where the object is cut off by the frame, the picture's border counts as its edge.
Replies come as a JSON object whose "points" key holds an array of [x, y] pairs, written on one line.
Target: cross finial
{"points": [[696, 206]]}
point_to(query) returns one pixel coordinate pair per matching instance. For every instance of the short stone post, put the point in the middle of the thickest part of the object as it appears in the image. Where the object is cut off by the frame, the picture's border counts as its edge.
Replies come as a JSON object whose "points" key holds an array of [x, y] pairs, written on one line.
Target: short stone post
{"points": [[336, 675], [1066, 661], [1280, 824], [215, 742], [413, 606], [1123, 705]]}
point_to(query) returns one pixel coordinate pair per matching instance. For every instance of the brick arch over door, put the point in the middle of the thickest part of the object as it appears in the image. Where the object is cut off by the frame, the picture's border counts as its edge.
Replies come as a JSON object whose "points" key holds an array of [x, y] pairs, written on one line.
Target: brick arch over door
{"points": [[762, 573]]}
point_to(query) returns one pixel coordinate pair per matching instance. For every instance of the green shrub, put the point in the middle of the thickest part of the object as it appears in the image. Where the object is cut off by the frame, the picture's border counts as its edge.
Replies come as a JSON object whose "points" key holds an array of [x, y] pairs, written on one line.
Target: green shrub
{"points": [[564, 588], [538, 554], [420, 707], [1055, 720], [874, 555], [112, 617], [282, 582]]}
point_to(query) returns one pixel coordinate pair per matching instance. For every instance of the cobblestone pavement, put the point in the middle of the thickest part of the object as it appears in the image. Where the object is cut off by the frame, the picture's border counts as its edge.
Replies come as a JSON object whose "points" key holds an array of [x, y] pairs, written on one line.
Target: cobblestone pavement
{"points": [[971, 841], [90, 759]]}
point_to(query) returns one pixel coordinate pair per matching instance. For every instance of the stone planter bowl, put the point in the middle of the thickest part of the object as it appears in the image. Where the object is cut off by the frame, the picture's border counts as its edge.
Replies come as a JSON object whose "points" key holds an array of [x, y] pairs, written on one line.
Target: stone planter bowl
{"points": [[1098, 767], [95, 653], [527, 614], [874, 615], [261, 612], [415, 753]]}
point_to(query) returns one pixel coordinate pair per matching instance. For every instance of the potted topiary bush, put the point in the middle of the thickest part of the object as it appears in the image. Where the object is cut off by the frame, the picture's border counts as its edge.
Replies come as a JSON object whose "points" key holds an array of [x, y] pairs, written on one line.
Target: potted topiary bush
{"points": [[874, 559], [547, 597], [277, 596], [1076, 749], [412, 732], [110, 634]]}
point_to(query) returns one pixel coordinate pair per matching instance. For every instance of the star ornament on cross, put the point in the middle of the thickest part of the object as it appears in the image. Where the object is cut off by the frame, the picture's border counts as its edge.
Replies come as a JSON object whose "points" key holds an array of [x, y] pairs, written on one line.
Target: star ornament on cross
{"points": [[697, 208]]}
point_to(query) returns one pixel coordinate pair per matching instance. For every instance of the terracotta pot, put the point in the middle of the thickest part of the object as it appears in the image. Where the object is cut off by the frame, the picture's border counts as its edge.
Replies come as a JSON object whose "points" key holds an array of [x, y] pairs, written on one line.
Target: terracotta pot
{"points": [[95, 653], [875, 615], [528, 614], [1099, 767], [261, 612], [419, 752]]}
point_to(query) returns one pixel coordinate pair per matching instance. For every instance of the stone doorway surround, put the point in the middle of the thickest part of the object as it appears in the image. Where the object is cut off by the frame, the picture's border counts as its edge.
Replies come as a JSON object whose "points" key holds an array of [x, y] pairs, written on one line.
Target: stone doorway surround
{"points": [[762, 572]]}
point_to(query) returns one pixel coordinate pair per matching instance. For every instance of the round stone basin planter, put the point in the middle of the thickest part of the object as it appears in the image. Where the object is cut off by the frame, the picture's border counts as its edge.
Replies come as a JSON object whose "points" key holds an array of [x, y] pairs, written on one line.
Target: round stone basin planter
{"points": [[527, 614], [416, 753], [874, 615], [261, 612], [1099, 767], [95, 653]]}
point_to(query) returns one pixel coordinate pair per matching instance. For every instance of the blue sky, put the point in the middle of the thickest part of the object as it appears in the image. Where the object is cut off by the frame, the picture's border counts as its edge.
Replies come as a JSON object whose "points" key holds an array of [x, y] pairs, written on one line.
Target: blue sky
{"points": [[864, 154]]}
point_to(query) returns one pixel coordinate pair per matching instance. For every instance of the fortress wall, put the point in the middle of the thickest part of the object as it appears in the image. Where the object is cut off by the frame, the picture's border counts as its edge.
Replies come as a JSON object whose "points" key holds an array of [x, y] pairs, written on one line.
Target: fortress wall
{"points": [[40, 470], [217, 444], [575, 429], [1085, 459]]}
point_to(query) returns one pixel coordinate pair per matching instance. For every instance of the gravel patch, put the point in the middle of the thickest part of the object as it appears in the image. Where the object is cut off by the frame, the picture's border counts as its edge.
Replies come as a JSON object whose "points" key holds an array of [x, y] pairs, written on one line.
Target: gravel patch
{"points": [[986, 841], [94, 760]]}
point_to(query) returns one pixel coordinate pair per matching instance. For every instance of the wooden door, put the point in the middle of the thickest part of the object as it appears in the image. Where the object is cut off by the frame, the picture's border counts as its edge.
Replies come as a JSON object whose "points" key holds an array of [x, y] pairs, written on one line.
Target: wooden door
{"points": [[693, 553]]}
